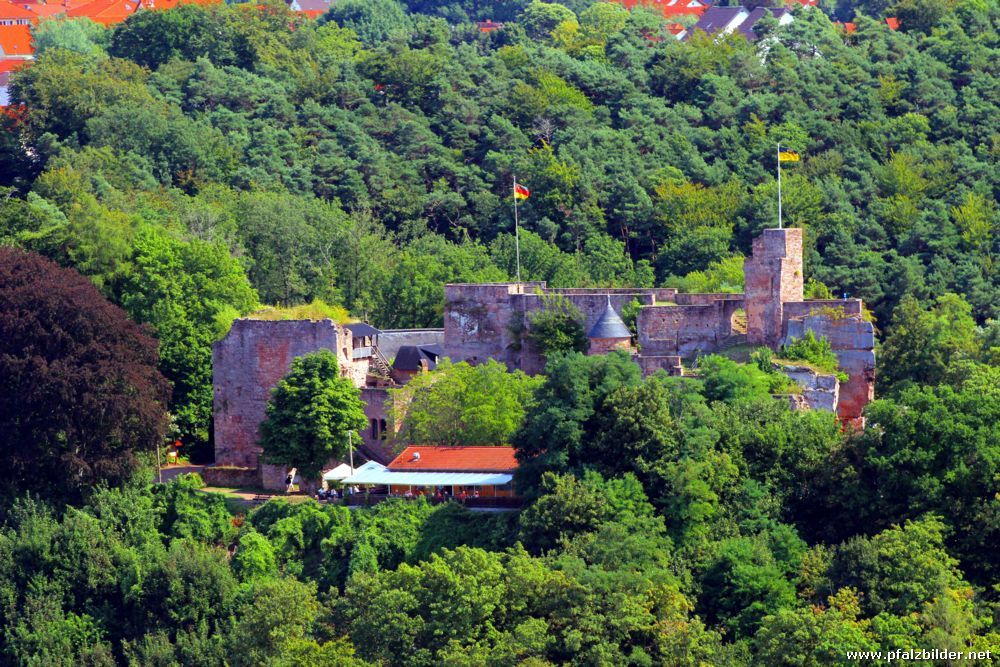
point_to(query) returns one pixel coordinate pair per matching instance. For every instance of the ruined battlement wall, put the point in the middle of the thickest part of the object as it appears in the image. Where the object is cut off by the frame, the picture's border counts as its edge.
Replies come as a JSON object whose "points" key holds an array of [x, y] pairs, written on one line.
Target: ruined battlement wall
{"points": [[689, 299], [799, 309], [491, 321], [248, 363], [477, 322], [657, 293], [590, 303], [853, 341], [683, 330], [686, 330], [651, 364]]}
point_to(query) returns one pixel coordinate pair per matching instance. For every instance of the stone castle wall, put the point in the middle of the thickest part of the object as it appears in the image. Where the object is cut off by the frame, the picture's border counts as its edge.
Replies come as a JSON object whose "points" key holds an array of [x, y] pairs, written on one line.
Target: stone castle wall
{"points": [[685, 330], [491, 321], [606, 345], [671, 364], [477, 322], [246, 365], [706, 299], [837, 307], [375, 446], [853, 341]]}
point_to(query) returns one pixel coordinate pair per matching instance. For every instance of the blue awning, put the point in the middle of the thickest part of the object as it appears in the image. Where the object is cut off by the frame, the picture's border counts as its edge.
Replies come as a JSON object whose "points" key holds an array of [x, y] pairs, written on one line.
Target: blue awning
{"points": [[376, 473]]}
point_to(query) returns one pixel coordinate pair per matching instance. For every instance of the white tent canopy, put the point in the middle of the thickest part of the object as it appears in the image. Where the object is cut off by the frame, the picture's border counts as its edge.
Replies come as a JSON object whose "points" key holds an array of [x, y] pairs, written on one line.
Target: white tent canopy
{"points": [[339, 473], [376, 473]]}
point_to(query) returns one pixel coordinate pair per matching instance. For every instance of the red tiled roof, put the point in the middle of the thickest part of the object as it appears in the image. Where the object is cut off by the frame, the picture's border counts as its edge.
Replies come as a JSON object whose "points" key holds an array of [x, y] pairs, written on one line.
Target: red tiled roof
{"points": [[47, 10], [455, 459], [892, 22], [15, 40], [669, 8], [105, 12], [11, 11], [170, 4], [488, 25], [11, 65]]}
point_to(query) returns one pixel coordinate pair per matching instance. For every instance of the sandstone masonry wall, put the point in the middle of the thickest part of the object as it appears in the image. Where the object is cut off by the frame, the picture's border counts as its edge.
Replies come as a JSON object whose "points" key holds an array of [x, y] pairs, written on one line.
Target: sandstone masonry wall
{"points": [[853, 341], [799, 309], [376, 448], [685, 330], [820, 391], [651, 364], [248, 363], [772, 276], [605, 345]]}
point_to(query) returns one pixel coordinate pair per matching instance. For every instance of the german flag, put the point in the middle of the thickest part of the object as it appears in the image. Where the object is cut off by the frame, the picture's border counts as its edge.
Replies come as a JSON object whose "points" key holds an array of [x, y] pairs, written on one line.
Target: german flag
{"points": [[521, 192], [788, 156]]}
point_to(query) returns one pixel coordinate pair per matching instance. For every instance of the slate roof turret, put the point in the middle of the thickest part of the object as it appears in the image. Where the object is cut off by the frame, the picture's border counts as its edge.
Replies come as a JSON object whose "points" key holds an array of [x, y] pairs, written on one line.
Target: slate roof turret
{"points": [[610, 325]]}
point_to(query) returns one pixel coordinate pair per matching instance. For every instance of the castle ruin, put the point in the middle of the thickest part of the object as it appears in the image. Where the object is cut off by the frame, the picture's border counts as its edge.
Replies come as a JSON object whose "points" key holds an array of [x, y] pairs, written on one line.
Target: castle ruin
{"points": [[492, 321]]}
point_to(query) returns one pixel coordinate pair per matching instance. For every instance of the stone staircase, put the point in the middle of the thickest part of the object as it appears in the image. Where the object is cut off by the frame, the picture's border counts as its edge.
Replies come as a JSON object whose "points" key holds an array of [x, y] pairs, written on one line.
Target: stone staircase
{"points": [[732, 341], [378, 364]]}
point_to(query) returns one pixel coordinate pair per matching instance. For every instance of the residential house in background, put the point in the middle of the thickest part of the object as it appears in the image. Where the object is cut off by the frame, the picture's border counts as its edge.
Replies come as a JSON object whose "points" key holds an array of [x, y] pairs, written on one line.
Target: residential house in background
{"points": [[722, 21]]}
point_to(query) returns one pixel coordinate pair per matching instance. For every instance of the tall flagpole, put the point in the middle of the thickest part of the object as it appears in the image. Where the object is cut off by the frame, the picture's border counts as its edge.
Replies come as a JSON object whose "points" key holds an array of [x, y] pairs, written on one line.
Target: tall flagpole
{"points": [[779, 185], [517, 237]]}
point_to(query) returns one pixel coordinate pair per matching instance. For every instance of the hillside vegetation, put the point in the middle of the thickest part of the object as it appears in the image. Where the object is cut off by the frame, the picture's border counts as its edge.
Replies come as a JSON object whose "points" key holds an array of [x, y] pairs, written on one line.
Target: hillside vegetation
{"points": [[205, 163]]}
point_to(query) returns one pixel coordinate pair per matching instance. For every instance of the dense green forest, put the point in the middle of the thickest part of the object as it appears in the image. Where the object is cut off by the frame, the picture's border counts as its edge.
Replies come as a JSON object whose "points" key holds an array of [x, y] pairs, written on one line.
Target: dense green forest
{"points": [[197, 163]]}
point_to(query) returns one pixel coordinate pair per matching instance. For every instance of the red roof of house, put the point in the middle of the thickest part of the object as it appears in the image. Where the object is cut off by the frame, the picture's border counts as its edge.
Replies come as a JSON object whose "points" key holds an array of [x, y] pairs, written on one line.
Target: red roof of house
{"points": [[455, 459], [11, 65], [670, 7], [170, 4], [47, 10], [15, 40], [892, 22], [105, 12], [11, 11], [488, 25]]}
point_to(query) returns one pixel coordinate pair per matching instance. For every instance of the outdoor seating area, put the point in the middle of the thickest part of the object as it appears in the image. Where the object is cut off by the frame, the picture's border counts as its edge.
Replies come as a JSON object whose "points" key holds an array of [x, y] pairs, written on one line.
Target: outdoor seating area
{"points": [[472, 502], [479, 477]]}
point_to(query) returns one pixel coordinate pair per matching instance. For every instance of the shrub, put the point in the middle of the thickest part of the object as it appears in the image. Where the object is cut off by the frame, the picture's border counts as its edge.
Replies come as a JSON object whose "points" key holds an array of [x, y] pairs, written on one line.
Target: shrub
{"points": [[558, 327], [817, 352]]}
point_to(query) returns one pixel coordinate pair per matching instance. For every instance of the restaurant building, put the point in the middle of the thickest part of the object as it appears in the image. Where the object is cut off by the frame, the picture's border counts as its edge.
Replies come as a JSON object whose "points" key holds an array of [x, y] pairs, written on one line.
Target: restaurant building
{"points": [[456, 472]]}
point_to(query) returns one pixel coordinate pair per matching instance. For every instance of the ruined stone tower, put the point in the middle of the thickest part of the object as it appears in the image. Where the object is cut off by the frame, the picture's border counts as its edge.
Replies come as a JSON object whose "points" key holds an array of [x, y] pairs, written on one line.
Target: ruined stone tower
{"points": [[773, 276], [248, 363]]}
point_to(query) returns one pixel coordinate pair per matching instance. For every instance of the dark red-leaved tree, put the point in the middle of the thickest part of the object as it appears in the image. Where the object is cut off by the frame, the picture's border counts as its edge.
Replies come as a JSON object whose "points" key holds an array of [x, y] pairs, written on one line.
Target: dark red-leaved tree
{"points": [[80, 394]]}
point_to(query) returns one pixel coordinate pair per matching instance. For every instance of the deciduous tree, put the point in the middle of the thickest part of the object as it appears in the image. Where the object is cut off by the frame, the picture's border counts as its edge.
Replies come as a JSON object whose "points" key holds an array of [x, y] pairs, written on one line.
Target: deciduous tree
{"points": [[80, 395], [310, 414]]}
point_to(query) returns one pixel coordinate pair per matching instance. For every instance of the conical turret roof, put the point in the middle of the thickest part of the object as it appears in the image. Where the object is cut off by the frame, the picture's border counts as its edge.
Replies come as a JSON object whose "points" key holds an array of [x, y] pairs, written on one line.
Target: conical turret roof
{"points": [[610, 325]]}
